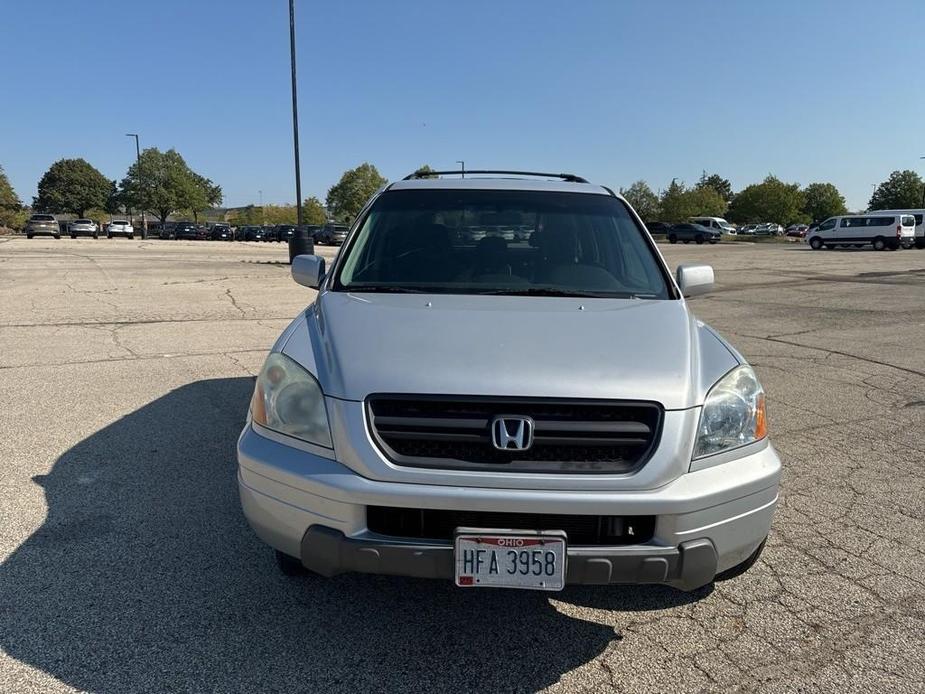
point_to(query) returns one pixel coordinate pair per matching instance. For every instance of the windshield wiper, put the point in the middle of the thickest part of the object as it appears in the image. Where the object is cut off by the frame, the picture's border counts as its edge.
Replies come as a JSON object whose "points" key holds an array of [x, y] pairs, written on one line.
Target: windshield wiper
{"points": [[551, 291], [383, 289]]}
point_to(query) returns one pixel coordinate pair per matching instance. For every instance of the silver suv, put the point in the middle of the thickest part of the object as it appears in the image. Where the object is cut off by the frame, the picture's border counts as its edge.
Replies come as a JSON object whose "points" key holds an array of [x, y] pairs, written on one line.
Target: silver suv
{"points": [[527, 412]]}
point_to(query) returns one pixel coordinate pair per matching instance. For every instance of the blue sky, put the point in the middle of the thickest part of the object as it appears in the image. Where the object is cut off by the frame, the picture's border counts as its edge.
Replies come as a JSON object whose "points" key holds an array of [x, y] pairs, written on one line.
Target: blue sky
{"points": [[613, 90]]}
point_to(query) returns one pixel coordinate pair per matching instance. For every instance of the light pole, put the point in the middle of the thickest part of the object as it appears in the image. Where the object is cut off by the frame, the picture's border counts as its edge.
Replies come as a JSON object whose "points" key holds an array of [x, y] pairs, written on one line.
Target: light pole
{"points": [[295, 114], [463, 165], [923, 190], [144, 219]]}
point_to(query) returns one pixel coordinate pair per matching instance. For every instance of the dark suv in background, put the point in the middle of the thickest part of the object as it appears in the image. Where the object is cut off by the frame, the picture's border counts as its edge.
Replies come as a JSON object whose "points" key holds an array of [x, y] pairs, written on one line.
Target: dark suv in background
{"points": [[222, 232], [189, 231], [284, 232], [250, 233]]}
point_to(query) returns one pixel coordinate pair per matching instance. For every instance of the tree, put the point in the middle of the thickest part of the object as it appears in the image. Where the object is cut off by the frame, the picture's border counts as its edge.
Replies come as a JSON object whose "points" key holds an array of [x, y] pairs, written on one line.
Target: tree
{"points": [[356, 186], [643, 200], [679, 203], [280, 214], [772, 200], [718, 183], [72, 185], [11, 213], [245, 216], [425, 171], [901, 191], [313, 211], [162, 183], [200, 195], [821, 201], [114, 201]]}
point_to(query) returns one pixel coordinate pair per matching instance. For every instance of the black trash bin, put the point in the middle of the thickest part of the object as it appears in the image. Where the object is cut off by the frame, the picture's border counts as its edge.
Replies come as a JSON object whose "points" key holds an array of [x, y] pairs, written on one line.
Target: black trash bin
{"points": [[301, 243]]}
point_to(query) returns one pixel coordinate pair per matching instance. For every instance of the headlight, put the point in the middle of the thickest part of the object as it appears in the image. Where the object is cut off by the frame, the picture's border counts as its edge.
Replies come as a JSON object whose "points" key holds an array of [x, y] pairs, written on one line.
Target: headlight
{"points": [[733, 414], [289, 400]]}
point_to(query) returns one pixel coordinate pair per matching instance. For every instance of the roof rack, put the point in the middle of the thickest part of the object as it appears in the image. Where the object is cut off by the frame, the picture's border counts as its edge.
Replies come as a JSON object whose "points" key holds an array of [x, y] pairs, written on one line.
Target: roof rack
{"points": [[571, 178]]}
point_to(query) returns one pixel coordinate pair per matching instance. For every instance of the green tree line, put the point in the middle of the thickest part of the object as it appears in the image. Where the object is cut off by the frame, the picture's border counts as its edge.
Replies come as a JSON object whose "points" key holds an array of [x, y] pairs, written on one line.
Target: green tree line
{"points": [[712, 196], [162, 183]]}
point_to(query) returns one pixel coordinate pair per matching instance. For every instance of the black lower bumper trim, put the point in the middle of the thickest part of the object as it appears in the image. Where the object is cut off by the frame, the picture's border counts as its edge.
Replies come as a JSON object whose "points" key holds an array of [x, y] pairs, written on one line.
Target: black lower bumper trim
{"points": [[688, 566]]}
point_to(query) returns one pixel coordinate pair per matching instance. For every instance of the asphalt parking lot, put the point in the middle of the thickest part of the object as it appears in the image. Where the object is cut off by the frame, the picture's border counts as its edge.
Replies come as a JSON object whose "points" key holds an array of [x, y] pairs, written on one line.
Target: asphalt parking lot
{"points": [[126, 564]]}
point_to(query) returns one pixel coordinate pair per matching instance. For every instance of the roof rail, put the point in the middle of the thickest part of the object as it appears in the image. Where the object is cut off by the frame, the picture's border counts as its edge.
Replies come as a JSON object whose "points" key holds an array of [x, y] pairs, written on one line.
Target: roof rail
{"points": [[571, 178]]}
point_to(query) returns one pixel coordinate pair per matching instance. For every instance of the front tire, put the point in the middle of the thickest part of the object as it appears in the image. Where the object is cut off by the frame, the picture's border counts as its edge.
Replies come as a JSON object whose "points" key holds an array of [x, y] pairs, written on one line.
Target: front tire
{"points": [[699, 239], [57, 236], [740, 569], [879, 243], [815, 243], [672, 238], [288, 565]]}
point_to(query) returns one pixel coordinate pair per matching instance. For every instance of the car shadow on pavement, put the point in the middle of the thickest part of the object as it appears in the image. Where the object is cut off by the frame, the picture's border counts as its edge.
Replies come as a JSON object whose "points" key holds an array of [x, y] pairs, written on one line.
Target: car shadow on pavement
{"points": [[146, 577]]}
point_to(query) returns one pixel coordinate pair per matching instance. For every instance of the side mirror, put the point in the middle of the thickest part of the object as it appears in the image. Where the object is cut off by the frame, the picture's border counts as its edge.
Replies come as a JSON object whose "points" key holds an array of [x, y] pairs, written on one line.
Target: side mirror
{"points": [[308, 270], [694, 280]]}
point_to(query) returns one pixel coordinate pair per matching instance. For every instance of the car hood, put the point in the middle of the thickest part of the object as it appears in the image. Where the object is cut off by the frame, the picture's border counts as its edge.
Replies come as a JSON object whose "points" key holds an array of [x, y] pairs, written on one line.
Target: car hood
{"points": [[359, 344]]}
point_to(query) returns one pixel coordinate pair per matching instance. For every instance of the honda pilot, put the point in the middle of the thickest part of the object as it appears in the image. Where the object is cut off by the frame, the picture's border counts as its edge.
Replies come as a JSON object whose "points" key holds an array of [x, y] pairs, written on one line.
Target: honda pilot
{"points": [[517, 413]]}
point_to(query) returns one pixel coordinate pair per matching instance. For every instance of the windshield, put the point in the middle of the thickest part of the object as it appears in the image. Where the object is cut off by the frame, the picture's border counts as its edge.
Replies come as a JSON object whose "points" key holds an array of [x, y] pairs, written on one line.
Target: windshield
{"points": [[502, 242]]}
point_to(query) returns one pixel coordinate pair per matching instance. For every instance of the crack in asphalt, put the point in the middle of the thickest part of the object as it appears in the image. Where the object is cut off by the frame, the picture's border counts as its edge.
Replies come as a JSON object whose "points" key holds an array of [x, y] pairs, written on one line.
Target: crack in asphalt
{"points": [[135, 357], [828, 350], [142, 321]]}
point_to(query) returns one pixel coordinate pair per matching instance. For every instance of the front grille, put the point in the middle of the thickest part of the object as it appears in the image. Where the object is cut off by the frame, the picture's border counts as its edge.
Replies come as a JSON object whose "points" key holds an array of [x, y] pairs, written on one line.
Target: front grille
{"points": [[430, 524], [578, 436]]}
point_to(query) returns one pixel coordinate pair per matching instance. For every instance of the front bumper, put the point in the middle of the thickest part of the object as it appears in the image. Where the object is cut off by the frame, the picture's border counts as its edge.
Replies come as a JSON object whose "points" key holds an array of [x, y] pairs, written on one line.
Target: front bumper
{"points": [[314, 508]]}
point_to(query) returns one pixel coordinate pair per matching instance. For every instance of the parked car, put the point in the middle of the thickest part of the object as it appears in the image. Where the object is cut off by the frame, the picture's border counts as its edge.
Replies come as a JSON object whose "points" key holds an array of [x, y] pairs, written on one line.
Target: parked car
{"points": [[747, 229], [83, 227], [221, 232], [336, 234], [284, 232], [269, 232], [697, 233], [167, 230], [42, 225], [717, 223], [190, 232], [658, 228], [120, 227], [880, 230], [604, 424], [769, 229], [251, 233], [796, 230]]}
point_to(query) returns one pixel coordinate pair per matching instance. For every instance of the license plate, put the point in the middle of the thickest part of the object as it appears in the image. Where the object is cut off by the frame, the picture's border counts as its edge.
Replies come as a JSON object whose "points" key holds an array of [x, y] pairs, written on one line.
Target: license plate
{"points": [[510, 559]]}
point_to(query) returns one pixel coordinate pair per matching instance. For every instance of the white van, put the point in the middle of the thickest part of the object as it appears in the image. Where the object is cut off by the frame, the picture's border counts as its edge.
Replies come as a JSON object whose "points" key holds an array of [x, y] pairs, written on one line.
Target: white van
{"points": [[718, 223], [880, 229], [919, 216]]}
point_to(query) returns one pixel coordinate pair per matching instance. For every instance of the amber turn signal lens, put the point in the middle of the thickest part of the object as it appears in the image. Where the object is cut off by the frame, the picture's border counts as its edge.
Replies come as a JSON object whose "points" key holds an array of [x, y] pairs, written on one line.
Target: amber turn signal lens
{"points": [[761, 419], [258, 409]]}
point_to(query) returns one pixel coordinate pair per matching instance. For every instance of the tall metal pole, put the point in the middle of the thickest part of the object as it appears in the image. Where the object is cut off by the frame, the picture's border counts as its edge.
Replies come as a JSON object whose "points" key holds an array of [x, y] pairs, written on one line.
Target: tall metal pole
{"points": [[923, 190], [463, 164], [295, 114], [144, 219]]}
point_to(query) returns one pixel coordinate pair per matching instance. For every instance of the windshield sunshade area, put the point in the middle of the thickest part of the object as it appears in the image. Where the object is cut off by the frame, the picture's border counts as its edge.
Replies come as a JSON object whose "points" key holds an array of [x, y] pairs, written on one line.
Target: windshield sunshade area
{"points": [[502, 242]]}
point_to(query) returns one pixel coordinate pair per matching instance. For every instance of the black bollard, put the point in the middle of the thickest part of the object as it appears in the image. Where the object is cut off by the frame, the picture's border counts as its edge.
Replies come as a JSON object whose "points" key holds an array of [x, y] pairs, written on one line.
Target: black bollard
{"points": [[301, 243]]}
